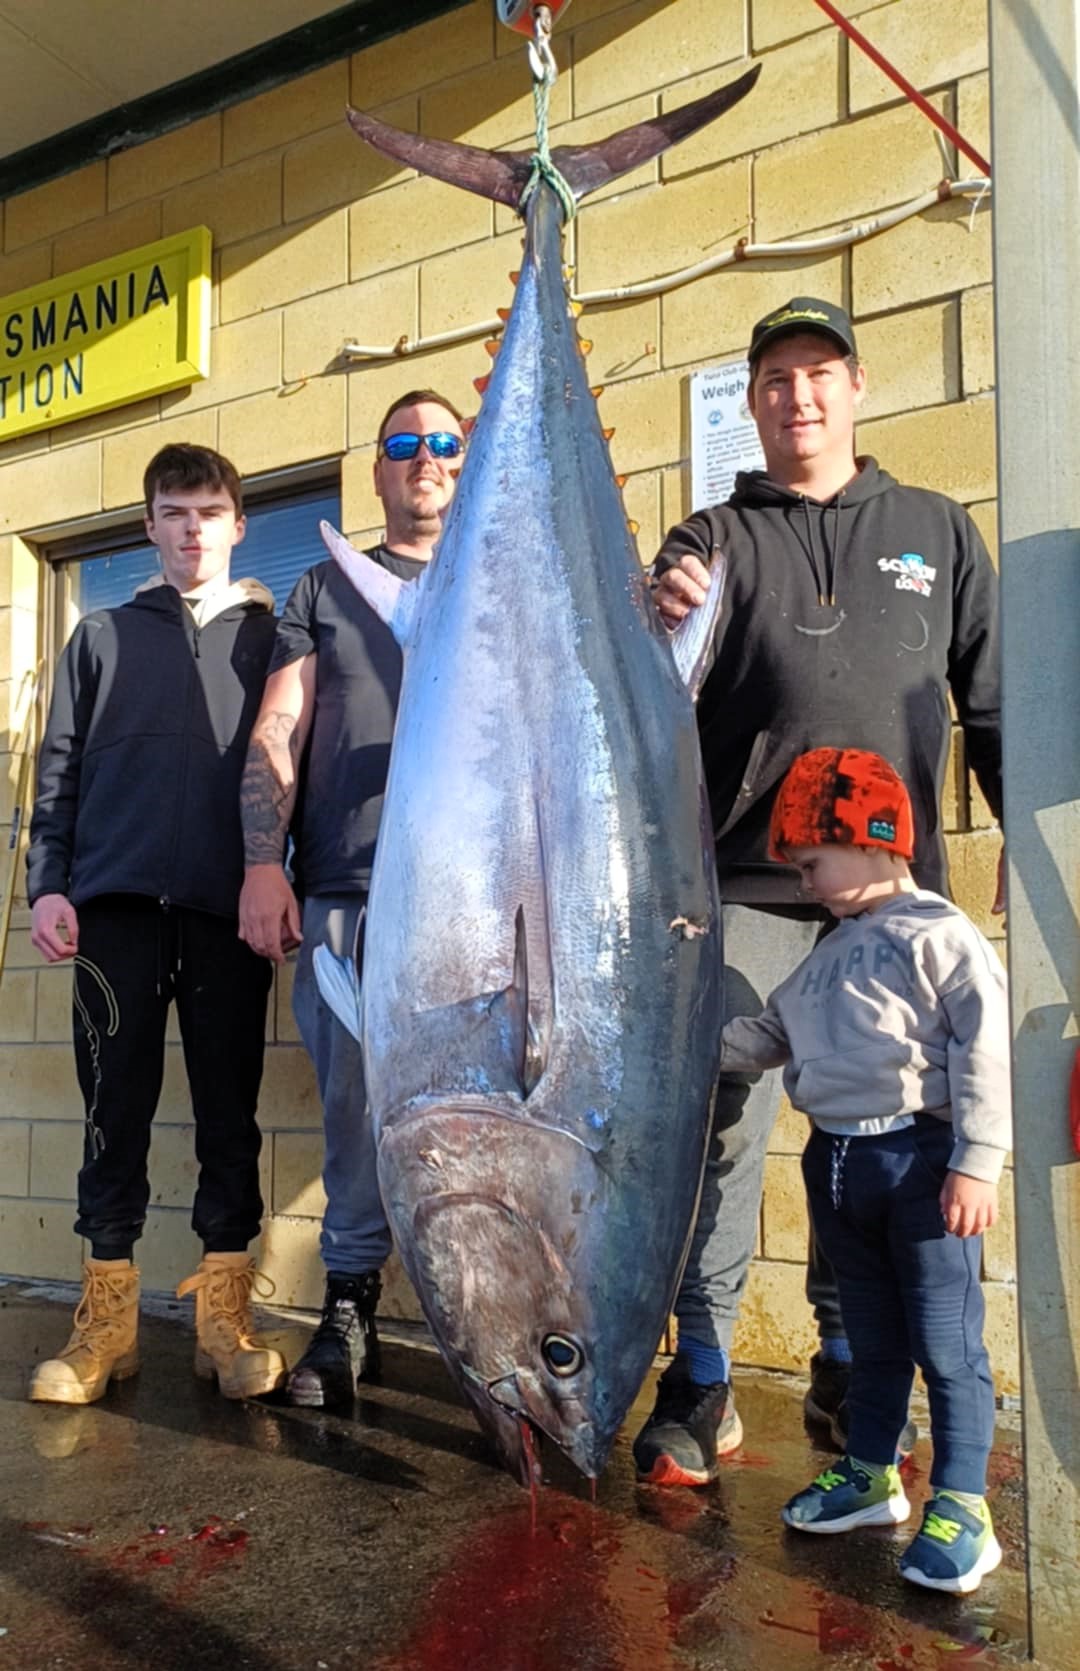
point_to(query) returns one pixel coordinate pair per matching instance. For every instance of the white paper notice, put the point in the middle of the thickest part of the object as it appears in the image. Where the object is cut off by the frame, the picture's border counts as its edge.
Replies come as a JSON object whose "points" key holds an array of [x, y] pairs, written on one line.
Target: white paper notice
{"points": [[723, 437]]}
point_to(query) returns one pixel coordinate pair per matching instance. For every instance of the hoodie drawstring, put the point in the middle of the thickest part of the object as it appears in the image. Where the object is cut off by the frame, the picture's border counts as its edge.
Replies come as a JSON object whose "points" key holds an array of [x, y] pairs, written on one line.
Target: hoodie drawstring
{"points": [[825, 583], [170, 947], [163, 972], [810, 549], [837, 1157], [835, 563]]}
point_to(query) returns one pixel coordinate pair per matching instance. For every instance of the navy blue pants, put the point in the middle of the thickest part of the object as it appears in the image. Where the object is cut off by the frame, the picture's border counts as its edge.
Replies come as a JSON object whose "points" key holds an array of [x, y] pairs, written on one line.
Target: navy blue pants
{"points": [[909, 1293]]}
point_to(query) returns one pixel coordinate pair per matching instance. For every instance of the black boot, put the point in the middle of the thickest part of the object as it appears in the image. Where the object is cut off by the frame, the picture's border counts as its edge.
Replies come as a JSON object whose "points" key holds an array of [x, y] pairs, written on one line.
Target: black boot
{"points": [[825, 1405], [344, 1348], [826, 1394]]}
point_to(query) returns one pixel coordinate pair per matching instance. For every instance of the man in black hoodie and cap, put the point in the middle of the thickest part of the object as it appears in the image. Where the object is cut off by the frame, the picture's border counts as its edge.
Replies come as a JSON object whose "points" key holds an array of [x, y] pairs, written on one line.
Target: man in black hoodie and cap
{"points": [[853, 606]]}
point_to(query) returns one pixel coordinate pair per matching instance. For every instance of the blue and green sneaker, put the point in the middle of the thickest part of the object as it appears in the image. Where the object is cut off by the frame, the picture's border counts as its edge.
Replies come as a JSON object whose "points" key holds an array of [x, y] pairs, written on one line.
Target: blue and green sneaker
{"points": [[848, 1495], [955, 1547]]}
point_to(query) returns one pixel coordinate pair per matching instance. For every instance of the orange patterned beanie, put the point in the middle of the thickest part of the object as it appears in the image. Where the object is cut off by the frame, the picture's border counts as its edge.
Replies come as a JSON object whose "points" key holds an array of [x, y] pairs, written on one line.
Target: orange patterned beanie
{"points": [[841, 796]]}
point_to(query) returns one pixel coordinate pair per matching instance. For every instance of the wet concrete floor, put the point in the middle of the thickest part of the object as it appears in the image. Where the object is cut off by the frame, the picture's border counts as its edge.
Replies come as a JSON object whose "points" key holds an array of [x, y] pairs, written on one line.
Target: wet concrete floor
{"points": [[167, 1529]]}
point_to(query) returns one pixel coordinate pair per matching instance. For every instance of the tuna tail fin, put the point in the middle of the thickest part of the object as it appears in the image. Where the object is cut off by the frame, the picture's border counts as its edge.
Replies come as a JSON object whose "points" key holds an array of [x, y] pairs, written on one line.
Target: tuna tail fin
{"points": [[502, 175], [692, 639], [393, 600]]}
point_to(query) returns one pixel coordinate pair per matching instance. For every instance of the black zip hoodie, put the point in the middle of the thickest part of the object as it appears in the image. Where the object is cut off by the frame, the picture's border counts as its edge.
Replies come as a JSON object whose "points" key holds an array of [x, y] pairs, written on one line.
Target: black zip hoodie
{"points": [[844, 623], [140, 766]]}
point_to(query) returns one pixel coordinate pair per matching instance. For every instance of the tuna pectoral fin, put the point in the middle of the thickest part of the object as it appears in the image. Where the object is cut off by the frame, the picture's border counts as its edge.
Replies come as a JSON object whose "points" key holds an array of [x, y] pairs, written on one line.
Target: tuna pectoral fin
{"points": [[503, 175], [692, 641], [485, 1041], [514, 1029], [336, 978], [393, 600]]}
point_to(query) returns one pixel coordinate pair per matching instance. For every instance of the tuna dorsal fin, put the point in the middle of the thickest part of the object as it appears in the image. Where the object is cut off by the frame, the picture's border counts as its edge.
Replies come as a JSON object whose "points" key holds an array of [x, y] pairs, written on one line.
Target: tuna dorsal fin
{"points": [[393, 600], [691, 640], [502, 175]]}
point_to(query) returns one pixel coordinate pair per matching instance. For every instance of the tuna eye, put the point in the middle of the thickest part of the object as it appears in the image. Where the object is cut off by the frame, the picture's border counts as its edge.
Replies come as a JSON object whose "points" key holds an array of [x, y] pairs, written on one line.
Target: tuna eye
{"points": [[562, 1355]]}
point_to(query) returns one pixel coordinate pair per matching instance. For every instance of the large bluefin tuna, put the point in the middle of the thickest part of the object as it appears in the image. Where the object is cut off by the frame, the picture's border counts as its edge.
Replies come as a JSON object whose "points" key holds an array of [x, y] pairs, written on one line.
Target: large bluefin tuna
{"points": [[541, 955]]}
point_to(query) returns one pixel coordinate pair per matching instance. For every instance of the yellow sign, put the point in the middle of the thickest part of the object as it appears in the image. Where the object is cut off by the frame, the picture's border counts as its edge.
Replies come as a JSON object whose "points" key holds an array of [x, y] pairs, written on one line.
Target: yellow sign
{"points": [[121, 330]]}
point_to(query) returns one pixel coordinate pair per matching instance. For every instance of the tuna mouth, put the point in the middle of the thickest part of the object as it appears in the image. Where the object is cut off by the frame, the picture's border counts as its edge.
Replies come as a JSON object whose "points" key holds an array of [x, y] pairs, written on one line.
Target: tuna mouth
{"points": [[516, 1440], [518, 1431], [566, 1423]]}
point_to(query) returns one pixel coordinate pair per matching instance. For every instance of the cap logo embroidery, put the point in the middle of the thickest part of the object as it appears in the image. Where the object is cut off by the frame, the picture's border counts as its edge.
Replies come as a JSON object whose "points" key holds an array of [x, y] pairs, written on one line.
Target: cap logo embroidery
{"points": [[881, 830], [913, 573], [795, 313]]}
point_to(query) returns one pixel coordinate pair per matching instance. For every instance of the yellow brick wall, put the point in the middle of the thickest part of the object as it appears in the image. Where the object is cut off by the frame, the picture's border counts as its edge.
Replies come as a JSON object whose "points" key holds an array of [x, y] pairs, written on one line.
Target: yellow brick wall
{"points": [[317, 240]]}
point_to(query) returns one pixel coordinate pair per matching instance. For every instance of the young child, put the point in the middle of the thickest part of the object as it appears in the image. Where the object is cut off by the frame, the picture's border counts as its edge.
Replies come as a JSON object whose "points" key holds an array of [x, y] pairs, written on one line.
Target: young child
{"points": [[895, 1036]]}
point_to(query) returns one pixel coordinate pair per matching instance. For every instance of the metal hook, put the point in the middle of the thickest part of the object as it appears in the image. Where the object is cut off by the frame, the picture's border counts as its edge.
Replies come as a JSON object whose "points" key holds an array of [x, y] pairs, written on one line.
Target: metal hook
{"points": [[541, 58]]}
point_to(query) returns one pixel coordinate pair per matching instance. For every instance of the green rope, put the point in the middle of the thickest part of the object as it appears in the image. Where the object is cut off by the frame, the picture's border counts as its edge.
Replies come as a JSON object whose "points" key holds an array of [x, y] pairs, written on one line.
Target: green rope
{"points": [[542, 166]]}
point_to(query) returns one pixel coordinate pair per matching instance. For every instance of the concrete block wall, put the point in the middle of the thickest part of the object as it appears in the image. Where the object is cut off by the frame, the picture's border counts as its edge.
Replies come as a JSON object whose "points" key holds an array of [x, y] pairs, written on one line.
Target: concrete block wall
{"points": [[317, 240]]}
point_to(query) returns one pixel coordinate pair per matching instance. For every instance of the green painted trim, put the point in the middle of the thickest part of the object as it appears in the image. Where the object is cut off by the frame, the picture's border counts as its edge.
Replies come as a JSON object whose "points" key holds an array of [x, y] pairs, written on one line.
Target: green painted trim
{"points": [[344, 31]]}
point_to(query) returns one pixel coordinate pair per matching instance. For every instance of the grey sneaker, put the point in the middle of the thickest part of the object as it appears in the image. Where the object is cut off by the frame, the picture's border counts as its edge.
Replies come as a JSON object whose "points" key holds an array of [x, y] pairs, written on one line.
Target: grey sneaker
{"points": [[690, 1427]]}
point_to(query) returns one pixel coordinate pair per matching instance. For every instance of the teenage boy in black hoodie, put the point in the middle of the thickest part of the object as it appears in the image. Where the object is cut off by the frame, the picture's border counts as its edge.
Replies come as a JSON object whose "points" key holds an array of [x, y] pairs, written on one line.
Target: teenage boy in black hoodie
{"points": [[135, 866], [853, 607]]}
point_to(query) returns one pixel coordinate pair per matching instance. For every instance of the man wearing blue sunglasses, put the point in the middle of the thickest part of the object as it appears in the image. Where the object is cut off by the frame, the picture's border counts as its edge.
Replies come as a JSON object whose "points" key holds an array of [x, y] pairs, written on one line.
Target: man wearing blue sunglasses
{"points": [[405, 445], [324, 729]]}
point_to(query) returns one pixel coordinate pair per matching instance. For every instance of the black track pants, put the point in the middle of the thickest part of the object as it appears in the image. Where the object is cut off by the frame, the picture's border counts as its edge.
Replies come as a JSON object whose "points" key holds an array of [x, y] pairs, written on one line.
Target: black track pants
{"points": [[150, 955]]}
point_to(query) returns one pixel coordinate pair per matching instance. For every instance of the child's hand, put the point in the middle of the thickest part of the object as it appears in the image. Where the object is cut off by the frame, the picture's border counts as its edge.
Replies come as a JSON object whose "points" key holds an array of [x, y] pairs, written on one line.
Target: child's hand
{"points": [[969, 1205]]}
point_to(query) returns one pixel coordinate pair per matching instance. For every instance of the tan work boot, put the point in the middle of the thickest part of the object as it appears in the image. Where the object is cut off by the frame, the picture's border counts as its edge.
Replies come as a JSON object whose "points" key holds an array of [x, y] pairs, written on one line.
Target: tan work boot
{"points": [[104, 1342], [226, 1345]]}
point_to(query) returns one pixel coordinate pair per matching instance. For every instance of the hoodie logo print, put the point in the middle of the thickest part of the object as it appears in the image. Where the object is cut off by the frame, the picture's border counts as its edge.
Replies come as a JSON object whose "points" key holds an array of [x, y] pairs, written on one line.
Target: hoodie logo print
{"points": [[913, 573]]}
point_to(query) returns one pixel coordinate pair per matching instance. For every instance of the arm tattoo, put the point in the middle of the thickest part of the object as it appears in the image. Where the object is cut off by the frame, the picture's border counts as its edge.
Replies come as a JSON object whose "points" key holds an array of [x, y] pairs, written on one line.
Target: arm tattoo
{"points": [[268, 789]]}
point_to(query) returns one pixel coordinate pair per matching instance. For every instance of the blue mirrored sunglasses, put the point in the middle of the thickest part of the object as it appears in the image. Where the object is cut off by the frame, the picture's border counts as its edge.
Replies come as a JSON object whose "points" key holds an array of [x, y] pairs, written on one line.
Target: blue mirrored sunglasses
{"points": [[442, 444]]}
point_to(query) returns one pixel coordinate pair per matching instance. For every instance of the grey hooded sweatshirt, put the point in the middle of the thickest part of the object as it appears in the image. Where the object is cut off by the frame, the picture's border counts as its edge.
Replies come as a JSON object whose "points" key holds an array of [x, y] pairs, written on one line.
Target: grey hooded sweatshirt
{"points": [[901, 1010]]}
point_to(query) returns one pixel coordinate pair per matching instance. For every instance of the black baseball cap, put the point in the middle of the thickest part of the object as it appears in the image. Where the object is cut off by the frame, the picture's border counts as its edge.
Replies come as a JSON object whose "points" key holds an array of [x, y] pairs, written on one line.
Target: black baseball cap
{"points": [[803, 313]]}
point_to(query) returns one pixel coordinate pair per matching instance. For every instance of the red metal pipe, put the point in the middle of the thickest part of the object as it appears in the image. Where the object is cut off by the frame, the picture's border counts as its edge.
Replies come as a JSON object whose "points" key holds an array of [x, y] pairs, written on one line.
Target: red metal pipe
{"points": [[904, 84]]}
